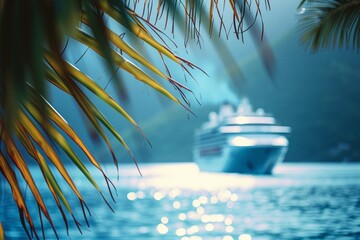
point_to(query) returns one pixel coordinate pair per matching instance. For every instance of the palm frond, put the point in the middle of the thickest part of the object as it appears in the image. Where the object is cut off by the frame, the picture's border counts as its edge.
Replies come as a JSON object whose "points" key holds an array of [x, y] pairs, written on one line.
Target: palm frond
{"points": [[33, 42], [330, 23]]}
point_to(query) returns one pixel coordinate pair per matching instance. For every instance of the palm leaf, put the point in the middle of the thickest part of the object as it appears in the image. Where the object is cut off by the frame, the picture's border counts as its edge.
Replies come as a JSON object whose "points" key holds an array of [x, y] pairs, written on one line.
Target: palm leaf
{"points": [[10, 176], [330, 23], [126, 48], [33, 54], [20, 163], [40, 140], [2, 236], [48, 175], [124, 64], [137, 30]]}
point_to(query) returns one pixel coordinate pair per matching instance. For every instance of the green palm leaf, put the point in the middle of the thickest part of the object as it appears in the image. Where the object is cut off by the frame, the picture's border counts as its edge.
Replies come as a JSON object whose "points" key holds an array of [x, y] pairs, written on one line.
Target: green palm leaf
{"points": [[32, 46], [330, 23]]}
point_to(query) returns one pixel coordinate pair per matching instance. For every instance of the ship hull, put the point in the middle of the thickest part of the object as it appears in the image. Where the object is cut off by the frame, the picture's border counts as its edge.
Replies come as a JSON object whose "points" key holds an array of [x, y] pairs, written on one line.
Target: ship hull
{"points": [[240, 159]]}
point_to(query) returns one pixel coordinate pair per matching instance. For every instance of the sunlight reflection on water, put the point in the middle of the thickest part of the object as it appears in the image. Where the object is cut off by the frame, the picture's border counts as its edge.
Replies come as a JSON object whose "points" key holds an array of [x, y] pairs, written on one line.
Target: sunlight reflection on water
{"points": [[176, 201]]}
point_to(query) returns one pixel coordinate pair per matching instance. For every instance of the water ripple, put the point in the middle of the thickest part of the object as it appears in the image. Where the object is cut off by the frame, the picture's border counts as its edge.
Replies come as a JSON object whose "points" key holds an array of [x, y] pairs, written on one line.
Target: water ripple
{"points": [[192, 205]]}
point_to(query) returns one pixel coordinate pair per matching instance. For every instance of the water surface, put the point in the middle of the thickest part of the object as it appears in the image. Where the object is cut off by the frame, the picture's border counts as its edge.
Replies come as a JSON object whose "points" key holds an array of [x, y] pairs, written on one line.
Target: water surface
{"points": [[176, 201]]}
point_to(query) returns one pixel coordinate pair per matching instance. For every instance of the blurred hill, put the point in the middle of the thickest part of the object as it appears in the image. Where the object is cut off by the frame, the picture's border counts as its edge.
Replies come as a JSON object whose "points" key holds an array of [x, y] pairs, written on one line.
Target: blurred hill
{"points": [[318, 95]]}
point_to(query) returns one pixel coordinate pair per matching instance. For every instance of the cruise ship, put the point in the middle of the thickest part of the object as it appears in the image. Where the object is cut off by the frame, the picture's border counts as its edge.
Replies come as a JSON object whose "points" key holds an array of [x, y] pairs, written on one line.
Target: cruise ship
{"points": [[240, 140]]}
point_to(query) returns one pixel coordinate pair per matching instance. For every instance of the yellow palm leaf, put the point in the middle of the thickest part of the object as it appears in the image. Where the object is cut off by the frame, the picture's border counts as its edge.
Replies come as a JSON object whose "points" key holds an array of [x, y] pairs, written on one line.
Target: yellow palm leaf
{"points": [[20, 163], [123, 63], [37, 46], [48, 176], [40, 140], [2, 236], [10, 176]]}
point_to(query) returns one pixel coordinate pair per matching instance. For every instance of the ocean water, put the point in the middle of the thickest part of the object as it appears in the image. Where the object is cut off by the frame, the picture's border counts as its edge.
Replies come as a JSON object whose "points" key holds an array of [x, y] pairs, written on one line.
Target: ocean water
{"points": [[176, 201]]}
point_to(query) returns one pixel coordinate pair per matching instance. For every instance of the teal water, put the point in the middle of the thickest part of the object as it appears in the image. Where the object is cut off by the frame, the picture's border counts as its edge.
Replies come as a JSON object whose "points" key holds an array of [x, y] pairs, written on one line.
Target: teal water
{"points": [[176, 201]]}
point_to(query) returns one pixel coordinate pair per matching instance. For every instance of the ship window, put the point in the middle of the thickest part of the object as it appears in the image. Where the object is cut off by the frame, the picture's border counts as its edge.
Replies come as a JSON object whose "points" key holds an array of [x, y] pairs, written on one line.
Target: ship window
{"points": [[211, 151]]}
